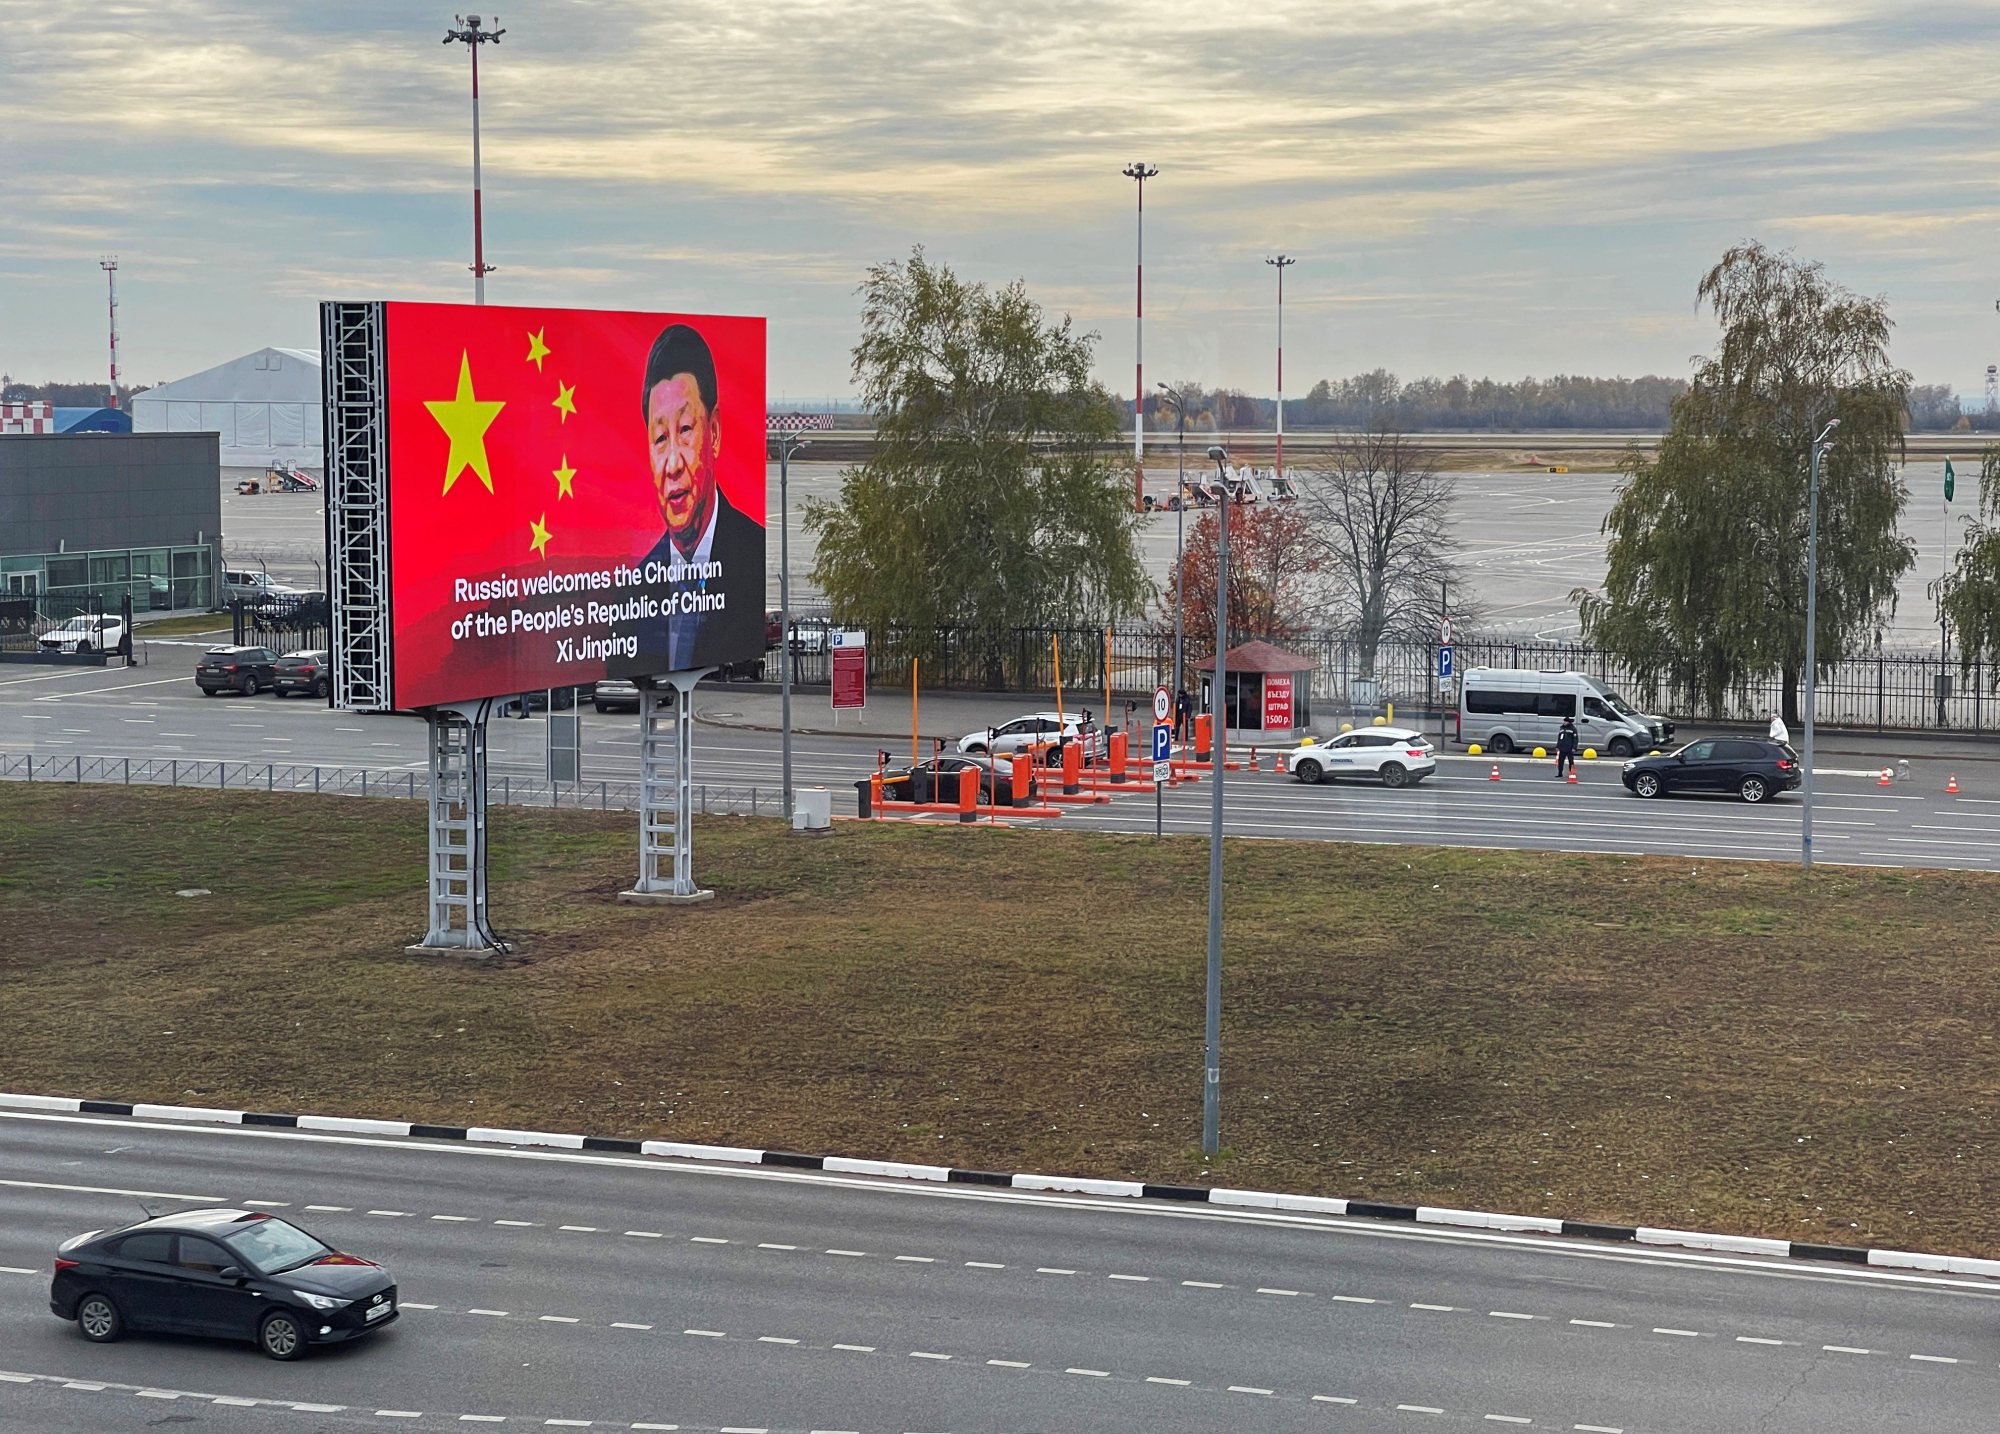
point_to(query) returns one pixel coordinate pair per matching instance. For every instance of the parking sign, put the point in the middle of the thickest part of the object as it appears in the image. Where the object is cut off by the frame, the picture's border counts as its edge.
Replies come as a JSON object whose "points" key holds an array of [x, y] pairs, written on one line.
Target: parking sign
{"points": [[1163, 752], [1444, 661]]}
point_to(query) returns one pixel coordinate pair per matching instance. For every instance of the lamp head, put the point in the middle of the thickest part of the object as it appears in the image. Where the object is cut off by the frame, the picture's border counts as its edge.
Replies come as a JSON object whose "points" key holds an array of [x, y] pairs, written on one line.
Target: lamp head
{"points": [[1217, 452]]}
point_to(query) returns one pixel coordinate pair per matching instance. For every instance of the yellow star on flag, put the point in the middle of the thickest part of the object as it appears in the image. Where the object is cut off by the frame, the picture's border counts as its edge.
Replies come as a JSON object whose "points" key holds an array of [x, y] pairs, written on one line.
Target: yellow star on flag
{"points": [[565, 475], [537, 350], [465, 419], [565, 399], [538, 535]]}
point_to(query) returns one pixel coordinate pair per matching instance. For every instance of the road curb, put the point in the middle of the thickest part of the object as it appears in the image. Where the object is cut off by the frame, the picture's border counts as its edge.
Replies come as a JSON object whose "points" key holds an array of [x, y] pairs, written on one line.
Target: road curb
{"points": [[1068, 1184]]}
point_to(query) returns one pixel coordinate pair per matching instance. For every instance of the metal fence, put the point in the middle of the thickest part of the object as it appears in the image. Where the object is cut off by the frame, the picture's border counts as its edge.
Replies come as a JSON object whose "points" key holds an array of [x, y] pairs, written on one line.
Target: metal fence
{"points": [[24, 618], [1887, 690], [363, 782], [282, 622]]}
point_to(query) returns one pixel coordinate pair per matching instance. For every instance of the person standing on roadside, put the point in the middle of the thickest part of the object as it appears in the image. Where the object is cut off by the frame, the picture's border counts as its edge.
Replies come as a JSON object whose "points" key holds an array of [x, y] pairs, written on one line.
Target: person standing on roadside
{"points": [[1566, 748], [1779, 732], [1183, 709]]}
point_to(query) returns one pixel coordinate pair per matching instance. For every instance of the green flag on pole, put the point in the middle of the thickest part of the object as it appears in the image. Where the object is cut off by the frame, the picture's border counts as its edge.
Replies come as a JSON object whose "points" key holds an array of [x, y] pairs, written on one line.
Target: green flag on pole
{"points": [[1950, 480]]}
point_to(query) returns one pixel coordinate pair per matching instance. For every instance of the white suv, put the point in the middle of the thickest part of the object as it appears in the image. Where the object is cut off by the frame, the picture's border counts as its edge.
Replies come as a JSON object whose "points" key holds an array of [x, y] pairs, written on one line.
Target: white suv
{"points": [[85, 634], [1394, 756], [1038, 729]]}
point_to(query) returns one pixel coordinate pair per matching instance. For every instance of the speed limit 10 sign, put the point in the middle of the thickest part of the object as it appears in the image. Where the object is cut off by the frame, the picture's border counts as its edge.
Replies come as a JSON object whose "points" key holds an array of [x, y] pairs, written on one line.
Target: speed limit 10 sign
{"points": [[1163, 704]]}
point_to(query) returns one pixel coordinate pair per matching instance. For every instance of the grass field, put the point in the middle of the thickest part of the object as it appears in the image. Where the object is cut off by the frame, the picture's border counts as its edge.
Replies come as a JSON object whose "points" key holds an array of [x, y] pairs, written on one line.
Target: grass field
{"points": [[1668, 1042]]}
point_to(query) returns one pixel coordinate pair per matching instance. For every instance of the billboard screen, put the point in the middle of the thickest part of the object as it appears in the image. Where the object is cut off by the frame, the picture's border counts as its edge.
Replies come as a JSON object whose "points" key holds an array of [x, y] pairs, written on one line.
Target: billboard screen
{"points": [[572, 494]]}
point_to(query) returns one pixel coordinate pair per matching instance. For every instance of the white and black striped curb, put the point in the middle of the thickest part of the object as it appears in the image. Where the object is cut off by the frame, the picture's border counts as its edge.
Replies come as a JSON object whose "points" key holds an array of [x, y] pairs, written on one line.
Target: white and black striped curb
{"points": [[1067, 1184]]}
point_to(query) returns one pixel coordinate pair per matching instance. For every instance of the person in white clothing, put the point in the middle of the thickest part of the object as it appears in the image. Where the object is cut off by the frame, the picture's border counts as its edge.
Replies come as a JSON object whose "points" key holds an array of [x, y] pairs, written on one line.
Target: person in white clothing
{"points": [[1779, 732]]}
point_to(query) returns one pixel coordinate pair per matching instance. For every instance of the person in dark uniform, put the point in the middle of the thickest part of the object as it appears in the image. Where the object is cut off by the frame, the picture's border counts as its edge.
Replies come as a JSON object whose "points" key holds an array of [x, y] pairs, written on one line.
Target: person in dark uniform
{"points": [[1566, 747], [1183, 714]]}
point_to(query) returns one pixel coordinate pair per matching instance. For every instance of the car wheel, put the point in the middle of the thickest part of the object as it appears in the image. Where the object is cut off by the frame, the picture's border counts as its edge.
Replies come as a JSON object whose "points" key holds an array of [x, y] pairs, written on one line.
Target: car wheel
{"points": [[322, 688], [247, 685], [1648, 784], [1620, 747], [601, 708], [1394, 774], [99, 1319], [83, 646], [1308, 771], [208, 692], [1753, 790], [280, 1337], [977, 749], [1054, 758], [1500, 745]]}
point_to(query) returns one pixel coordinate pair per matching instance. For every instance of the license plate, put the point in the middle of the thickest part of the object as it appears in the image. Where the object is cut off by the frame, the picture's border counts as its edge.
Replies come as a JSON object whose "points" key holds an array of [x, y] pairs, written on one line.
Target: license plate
{"points": [[377, 1311]]}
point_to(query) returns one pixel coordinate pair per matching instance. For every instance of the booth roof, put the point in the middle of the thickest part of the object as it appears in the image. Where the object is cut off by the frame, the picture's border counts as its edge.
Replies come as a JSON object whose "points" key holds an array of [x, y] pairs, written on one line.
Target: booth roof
{"points": [[1258, 656]]}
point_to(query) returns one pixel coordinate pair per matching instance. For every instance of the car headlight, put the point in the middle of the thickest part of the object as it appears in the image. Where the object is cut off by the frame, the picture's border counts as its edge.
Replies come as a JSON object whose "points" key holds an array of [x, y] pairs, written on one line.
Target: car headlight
{"points": [[322, 1302]]}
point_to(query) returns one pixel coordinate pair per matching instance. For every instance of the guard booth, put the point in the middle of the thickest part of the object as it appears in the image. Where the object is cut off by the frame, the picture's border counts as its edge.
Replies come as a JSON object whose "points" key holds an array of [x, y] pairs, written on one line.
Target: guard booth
{"points": [[1267, 697]]}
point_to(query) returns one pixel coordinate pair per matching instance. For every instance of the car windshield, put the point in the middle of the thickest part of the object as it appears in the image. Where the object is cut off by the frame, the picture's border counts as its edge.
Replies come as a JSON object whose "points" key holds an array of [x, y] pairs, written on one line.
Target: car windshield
{"points": [[269, 1246]]}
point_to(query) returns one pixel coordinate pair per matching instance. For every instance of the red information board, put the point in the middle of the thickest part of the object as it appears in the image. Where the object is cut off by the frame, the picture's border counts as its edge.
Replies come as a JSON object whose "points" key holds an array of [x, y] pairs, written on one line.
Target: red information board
{"points": [[1277, 701], [850, 670]]}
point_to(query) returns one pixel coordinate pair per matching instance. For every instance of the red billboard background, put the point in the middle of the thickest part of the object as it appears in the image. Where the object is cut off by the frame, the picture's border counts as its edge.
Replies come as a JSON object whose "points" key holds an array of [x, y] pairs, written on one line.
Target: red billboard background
{"points": [[528, 545]]}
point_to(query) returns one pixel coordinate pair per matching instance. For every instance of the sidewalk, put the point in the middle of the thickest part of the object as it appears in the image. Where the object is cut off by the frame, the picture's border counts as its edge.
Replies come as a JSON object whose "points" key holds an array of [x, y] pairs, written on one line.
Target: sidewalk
{"points": [[757, 707]]}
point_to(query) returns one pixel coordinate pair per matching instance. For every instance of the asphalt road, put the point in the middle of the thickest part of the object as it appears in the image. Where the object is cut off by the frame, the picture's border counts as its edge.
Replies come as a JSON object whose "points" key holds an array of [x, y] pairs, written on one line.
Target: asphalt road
{"points": [[547, 1288], [155, 711]]}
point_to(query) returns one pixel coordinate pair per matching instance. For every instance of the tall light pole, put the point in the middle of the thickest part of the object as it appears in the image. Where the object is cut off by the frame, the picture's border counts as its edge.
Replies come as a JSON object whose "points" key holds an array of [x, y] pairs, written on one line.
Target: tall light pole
{"points": [[1179, 401], [109, 264], [789, 442], [1819, 447], [1281, 262], [1211, 1077], [1138, 169], [472, 37]]}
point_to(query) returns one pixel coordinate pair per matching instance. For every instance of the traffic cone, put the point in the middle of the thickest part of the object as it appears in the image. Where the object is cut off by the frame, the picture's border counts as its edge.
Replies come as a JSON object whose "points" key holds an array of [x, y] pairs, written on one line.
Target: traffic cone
{"points": [[1253, 759], [1951, 787], [1883, 780], [1495, 775], [1572, 776], [1280, 768]]}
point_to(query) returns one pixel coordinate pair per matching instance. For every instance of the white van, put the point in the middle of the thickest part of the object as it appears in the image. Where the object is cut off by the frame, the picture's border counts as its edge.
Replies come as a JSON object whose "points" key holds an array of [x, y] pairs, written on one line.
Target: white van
{"points": [[1504, 708]]}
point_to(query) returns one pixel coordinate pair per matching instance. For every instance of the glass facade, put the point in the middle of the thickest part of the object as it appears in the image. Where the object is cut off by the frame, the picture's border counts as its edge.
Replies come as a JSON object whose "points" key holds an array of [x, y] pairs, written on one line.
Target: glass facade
{"points": [[156, 579]]}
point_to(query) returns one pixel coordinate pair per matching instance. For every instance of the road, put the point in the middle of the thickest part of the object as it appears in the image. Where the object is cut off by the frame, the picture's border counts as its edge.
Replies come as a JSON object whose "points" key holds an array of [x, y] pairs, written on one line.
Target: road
{"points": [[156, 712], [549, 1288]]}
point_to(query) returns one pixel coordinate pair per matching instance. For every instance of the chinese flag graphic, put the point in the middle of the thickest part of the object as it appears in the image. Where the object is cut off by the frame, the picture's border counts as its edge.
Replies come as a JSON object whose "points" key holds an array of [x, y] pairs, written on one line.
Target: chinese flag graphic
{"points": [[530, 544]]}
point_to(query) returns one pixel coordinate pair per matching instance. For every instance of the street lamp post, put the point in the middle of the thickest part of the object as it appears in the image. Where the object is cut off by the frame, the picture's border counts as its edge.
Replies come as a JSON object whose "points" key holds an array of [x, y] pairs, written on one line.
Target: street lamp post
{"points": [[472, 37], [1142, 172], [789, 443], [1179, 401], [1819, 447], [1211, 1084], [1281, 263]]}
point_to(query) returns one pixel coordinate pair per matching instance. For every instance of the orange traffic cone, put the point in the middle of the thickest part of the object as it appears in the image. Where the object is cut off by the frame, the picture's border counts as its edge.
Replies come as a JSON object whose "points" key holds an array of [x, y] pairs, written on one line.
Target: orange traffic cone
{"points": [[1495, 775], [1951, 787], [1883, 780], [1253, 759], [1572, 776], [1280, 768]]}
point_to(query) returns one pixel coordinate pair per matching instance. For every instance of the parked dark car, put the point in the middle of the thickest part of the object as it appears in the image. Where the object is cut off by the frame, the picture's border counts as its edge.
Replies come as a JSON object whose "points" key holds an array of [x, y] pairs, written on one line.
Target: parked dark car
{"points": [[306, 672], [937, 781], [234, 1274], [1753, 768], [248, 670], [615, 692]]}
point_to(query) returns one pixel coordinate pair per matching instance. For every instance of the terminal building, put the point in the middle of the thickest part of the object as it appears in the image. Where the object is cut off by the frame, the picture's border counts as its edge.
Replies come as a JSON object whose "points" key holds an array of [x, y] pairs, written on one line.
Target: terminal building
{"points": [[89, 519]]}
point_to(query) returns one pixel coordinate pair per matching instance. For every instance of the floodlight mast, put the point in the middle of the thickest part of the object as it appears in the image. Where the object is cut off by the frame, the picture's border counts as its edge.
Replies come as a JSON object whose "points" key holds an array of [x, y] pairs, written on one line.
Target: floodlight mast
{"points": [[1140, 170], [472, 37], [109, 264]]}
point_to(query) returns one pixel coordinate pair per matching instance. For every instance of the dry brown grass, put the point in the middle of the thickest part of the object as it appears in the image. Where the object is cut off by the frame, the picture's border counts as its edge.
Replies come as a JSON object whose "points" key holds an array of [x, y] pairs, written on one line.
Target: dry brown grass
{"points": [[1646, 1041]]}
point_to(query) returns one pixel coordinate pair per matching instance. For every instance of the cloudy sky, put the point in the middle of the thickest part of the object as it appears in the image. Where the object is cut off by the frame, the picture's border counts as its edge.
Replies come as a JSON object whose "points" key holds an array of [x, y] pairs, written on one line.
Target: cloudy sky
{"points": [[1493, 187]]}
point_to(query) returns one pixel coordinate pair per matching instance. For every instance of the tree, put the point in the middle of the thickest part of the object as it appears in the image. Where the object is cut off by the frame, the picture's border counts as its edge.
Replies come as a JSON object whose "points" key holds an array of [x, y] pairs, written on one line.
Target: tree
{"points": [[992, 499], [1275, 577], [1706, 578], [1379, 513], [1968, 598]]}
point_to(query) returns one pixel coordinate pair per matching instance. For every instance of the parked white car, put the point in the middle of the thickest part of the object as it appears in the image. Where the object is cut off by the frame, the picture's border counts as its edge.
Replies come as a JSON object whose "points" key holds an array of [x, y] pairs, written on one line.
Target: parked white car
{"points": [[85, 634], [1036, 729], [1393, 756]]}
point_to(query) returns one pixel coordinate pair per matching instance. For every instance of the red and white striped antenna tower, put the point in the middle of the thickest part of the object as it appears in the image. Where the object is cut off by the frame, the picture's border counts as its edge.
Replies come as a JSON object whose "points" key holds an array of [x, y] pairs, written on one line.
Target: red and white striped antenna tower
{"points": [[109, 264]]}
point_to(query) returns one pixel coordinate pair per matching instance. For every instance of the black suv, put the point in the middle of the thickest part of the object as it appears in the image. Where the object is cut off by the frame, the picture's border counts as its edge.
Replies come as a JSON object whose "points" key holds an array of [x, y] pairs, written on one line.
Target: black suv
{"points": [[242, 669], [1754, 768]]}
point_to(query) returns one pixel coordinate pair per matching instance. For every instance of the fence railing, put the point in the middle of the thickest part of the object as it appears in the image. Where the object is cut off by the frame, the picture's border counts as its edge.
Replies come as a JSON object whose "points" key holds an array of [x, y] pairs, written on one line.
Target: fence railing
{"points": [[502, 790]]}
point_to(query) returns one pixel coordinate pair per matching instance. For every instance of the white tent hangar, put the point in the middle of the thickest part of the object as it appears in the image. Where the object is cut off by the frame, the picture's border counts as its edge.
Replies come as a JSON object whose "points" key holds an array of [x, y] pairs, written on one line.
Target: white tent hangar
{"points": [[266, 405]]}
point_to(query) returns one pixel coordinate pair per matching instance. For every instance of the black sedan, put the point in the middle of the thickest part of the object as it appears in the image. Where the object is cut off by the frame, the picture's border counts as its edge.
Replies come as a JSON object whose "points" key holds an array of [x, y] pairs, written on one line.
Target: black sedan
{"points": [[1752, 768], [304, 672], [235, 1274], [937, 780]]}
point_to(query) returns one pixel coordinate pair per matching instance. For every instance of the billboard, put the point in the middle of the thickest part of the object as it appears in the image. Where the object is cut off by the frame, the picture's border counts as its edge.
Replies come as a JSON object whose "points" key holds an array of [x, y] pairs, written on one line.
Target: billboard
{"points": [[571, 494]]}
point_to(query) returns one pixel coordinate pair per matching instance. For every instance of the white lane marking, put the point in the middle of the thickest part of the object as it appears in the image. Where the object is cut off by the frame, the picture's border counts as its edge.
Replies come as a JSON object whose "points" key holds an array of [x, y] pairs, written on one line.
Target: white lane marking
{"points": [[515, 1224], [656, 1426], [706, 1240], [558, 1319], [82, 1384], [482, 1419], [777, 1247], [399, 1414], [1934, 1358], [1353, 1300], [918, 1259], [17, 1270], [706, 1333], [390, 1214], [1683, 1333], [742, 1429], [567, 1423], [318, 1408], [580, 1229], [1330, 1399], [857, 1348], [155, 1394], [497, 1314], [1441, 1309], [1136, 1279], [1276, 1292], [414, 1305], [1755, 1339], [1843, 1349], [982, 1265], [1208, 1285], [1090, 1373], [926, 1354], [1508, 1419], [774, 1339], [450, 1219], [1009, 1363], [1177, 1383], [1417, 1409], [622, 1324], [104, 1190], [646, 1234], [1596, 1429], [1247, 1389], [1506, 1314], [331, 1209], [855, 1254], [273, 1204], [1594, 1323], [1052, 1270]]}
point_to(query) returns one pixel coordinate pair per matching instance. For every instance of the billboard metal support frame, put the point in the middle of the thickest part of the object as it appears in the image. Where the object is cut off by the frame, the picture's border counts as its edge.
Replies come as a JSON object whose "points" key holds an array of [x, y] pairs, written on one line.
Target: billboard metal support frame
{"points": [[459, 924], [666, 759]]}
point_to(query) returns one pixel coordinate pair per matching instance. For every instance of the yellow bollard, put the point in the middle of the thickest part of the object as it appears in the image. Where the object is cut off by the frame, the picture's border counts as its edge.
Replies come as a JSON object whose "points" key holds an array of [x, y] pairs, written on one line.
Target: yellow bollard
{"points": [[1392, 711], [1474, 750], [1380, 721], [1590, 754], [1347, 726], [1541, 751]]}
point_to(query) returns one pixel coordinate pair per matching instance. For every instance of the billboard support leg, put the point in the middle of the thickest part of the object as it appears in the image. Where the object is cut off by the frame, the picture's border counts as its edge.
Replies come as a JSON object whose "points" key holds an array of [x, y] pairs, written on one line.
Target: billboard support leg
{"points": [[666, 761], [457, 827]]}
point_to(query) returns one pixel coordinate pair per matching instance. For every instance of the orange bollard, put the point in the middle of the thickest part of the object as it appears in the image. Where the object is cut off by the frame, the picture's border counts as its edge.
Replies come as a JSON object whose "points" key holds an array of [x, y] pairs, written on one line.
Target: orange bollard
{"points": [[1883, 780], [1951, 787], [1072, 768], [1494, 776], [874, 796], [1119, 747], [1024, 778], [1204, 735], [968, 795]]}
